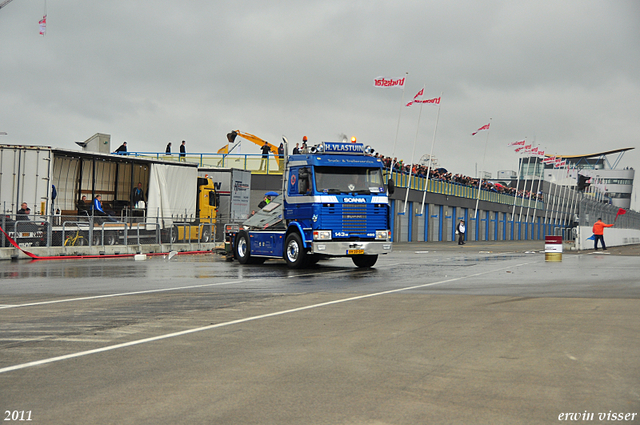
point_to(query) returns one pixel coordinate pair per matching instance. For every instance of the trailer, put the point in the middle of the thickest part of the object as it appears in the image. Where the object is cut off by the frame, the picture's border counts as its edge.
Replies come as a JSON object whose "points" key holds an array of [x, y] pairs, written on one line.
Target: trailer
{"points": [[334, 204], [233, 186], [177, 206]]}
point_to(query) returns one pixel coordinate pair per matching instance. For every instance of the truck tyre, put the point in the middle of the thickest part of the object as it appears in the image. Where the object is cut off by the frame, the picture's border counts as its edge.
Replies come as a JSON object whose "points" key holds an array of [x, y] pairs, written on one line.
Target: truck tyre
{"points": [[110, 238], [242, 248], [365, 260], [97, 240], [206, 235], [172, 234], [294, 252]]}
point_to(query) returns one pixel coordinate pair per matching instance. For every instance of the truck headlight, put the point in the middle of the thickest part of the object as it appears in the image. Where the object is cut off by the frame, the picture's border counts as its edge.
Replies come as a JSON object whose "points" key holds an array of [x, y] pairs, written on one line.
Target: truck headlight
{"points": [[322, 235], [383, 235]]}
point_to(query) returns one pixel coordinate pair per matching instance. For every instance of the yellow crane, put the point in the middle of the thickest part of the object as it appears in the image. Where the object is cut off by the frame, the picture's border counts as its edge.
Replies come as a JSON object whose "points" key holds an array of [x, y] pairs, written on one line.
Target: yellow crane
{"points": [[231, 137]]}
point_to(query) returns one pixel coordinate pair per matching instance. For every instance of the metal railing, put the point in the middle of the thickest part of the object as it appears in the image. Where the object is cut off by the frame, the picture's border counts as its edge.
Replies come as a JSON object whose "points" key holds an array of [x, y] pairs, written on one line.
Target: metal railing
{"points": [[460, 190], [72, 231], [251, 162]]}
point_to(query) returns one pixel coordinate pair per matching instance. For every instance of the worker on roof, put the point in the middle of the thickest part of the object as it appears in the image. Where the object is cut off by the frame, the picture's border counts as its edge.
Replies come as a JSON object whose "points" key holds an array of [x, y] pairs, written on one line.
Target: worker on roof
{"points": [[264, 162]]}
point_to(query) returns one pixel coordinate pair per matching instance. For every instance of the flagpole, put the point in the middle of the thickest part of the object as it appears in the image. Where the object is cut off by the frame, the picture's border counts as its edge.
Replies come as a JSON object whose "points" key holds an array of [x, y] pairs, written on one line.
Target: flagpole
{"points": [[569, 197], [515, 197], [413, 155], [535, 205], [524, 188], [531, 187], [559, 204], [475, 214], [563, 194], [549, 205], [433, 142], [554, 211], [566, 202], [574, 197], [398, 126]]}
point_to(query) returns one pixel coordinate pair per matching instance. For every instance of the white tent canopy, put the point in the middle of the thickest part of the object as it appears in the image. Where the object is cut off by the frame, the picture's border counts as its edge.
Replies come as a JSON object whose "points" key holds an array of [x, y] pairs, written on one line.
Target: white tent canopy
{"points": [[172, 192]]}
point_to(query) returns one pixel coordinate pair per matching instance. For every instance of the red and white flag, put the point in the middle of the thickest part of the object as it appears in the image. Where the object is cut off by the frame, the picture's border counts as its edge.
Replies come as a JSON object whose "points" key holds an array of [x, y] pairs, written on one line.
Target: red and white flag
{"points": [[388, 82], [534, 150], [540, 153], [415, 98], [549, 160], [435, 100], [484, 127], [520, 143], [43, 25], [519, 149], [559, 163]]}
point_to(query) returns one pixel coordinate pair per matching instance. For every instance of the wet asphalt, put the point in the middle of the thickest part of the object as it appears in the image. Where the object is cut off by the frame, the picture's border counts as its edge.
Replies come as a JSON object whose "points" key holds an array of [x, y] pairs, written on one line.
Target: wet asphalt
{"points": [[434, 333]]}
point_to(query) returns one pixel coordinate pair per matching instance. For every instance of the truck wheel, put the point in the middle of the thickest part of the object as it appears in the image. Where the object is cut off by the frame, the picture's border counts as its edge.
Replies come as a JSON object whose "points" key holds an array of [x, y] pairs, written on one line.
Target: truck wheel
{"points": [[206, 235], [110, 239], [242, 248], [365, 260], [96, 239], [172, 236], [294, 253]]}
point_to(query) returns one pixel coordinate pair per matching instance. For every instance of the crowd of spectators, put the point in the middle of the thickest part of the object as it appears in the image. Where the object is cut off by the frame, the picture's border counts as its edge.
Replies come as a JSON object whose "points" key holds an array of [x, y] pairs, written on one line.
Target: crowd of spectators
{"points": [[441, 174]]}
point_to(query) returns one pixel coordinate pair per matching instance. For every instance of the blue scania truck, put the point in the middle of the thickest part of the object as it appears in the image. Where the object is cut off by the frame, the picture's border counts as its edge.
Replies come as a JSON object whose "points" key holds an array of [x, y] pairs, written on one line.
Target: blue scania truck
{"points": [[334, 203]]}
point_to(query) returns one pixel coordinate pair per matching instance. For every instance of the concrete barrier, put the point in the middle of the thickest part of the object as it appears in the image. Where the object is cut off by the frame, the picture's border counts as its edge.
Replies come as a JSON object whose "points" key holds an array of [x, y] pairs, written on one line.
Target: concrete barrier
{"points": [[612, 237]]}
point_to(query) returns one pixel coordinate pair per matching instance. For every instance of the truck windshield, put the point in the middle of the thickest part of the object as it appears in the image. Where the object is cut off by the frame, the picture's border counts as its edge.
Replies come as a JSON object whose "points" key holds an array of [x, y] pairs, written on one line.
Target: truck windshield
{"points": [[348, 180]]}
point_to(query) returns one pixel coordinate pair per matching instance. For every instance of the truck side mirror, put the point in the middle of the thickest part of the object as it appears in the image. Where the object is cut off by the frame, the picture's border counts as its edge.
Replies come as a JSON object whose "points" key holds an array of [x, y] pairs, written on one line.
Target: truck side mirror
{"points": [[214, 198], [391, 187]]}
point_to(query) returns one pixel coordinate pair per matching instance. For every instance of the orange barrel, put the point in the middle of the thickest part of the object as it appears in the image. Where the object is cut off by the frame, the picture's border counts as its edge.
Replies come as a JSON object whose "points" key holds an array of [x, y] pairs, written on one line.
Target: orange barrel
{"points": [[553, 248]]}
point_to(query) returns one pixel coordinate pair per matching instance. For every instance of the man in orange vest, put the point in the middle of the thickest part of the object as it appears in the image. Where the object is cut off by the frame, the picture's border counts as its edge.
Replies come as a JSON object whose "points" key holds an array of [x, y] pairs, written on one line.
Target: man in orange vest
{"points": [[598, 232]]}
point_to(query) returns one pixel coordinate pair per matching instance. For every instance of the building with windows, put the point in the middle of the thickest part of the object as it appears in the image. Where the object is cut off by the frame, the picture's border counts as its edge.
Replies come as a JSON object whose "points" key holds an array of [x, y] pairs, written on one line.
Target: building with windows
{"points": [[604, 181]]}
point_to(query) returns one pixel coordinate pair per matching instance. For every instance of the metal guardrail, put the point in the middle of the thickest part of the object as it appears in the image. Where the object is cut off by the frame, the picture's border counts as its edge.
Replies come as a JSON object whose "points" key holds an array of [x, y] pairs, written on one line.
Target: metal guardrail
{"points": [[68, 231]]}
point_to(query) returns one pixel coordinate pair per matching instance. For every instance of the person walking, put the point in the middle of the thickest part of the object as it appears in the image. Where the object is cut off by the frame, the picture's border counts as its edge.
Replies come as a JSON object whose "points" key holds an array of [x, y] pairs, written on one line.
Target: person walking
{"points": [[460, 230], [183, 151], [598, 232], [122, 149], [168, 149]]}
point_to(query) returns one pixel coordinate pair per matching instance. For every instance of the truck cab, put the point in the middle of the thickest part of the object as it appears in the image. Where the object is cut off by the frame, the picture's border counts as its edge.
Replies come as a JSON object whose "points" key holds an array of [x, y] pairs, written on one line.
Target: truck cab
{"points": [[334, 204]]}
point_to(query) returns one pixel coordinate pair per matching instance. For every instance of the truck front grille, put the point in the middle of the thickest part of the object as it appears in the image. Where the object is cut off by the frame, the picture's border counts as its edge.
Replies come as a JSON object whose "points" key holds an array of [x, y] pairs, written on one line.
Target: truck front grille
{"points": [[354, 218], [358, 220]]}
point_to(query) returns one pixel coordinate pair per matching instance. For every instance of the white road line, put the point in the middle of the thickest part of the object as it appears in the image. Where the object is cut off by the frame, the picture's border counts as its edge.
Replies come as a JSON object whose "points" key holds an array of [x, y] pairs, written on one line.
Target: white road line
{"points": [[123, 294], [235, 322]]}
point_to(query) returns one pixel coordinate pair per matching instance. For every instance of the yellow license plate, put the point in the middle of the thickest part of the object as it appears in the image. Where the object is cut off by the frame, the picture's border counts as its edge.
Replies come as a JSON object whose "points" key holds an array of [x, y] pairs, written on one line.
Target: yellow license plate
{"points": [[25, 235], [355, 251]]}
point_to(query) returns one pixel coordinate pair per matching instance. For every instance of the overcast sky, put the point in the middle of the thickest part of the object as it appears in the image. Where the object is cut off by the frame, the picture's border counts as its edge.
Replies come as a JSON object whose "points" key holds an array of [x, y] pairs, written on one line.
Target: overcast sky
{"points": [[563, 74]]}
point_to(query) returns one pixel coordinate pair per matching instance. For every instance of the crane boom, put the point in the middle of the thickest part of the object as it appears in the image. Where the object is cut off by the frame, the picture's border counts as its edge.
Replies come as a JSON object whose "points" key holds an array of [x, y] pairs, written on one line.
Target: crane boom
{"points": [[250, 137]]}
